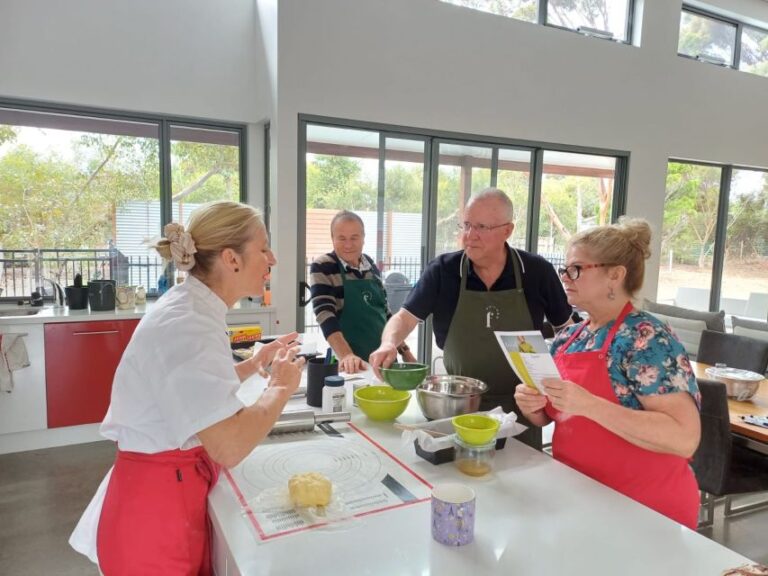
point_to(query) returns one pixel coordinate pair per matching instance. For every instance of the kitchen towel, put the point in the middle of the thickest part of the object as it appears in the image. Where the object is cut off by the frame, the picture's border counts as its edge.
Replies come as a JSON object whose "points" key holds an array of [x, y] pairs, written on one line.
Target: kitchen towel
{"points": [[13, 356]]}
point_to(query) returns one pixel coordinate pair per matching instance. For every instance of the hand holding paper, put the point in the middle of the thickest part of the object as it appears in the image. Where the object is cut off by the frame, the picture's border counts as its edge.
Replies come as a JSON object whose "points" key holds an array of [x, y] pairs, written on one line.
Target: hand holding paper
{"points": [[529, 357]]}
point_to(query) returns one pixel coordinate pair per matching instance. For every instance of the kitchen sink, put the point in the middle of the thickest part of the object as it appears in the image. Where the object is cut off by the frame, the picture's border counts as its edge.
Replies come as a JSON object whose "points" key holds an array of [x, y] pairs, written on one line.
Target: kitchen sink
{"points": [[4, 312]]}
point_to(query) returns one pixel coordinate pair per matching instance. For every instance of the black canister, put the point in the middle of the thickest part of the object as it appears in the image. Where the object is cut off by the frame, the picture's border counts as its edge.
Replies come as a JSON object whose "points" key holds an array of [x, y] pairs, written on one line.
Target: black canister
{"points": [[317, 370], [101, 294], [77, 297]]}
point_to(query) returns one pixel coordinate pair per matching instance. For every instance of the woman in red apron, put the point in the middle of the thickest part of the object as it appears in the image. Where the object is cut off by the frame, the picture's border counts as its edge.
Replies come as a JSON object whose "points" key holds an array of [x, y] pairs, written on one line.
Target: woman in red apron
{"points": [[626, 409], [174, 411]]}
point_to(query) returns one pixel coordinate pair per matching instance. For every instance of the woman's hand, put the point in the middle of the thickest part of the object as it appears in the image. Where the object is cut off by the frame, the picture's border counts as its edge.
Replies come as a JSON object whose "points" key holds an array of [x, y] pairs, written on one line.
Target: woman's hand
{"points": [[286, 370], [529, 400], [266, 354], [569, 397], [351, 364]]}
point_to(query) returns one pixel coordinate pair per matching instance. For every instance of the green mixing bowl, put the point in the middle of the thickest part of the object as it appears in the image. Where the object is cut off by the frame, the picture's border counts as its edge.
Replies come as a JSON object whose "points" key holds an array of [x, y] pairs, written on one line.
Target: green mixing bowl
{"points": [[382, 402], [475, 429], [405, 375]]}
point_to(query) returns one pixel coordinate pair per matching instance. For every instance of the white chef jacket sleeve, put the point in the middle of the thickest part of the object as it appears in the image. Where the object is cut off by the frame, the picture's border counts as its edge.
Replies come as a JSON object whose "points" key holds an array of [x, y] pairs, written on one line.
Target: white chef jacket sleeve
{"points": [[200, 384]]}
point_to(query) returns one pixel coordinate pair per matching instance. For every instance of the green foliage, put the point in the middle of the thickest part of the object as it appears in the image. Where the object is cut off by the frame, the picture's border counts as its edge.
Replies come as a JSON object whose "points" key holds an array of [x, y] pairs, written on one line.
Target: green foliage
{"points": [[68, 198], [338, 182], [700, 35], [690, 212]]}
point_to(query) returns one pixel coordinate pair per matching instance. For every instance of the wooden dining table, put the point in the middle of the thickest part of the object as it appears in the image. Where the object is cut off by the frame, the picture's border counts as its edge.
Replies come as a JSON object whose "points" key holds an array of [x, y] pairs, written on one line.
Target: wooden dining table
{"points": [[756, 437]]}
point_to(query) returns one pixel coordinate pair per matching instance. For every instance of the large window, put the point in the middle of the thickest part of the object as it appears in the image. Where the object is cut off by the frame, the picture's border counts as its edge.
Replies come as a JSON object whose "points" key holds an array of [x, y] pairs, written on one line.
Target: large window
{"points": [[609, 19], [721, 40], [81, 192], [713, 258], [411, 186]]}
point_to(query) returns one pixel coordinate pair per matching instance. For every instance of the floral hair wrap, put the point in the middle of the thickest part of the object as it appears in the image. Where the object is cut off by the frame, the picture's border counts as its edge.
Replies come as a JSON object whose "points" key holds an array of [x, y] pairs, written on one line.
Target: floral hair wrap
{"points": [[182, 246]]}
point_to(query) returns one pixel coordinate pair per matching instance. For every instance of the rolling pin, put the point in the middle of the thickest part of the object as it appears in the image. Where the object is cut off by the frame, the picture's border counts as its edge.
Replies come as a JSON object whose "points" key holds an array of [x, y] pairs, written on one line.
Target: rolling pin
{"points": [[305, 421]]}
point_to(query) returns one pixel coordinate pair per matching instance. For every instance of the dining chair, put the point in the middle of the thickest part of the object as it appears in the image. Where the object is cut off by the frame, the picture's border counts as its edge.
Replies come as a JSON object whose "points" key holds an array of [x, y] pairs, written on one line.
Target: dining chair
{"points": [[723, 467], [733, 350]]}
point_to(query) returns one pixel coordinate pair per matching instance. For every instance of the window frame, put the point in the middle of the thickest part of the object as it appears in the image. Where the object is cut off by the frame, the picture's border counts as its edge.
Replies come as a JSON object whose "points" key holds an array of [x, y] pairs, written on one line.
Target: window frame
{"points": [[721, 226], [628, 28], [163, 123], [740, 25], [542, 7]]}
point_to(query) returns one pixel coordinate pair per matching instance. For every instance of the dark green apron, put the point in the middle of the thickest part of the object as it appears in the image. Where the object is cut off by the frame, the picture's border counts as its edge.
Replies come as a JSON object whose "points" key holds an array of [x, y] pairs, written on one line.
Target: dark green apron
{"points": [[364, 314], [471, 348]]}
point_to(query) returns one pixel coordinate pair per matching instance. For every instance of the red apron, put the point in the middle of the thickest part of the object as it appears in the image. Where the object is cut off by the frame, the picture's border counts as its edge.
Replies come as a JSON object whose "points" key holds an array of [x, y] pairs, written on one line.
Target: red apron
{"points": [[155, 514], [663, 482]]}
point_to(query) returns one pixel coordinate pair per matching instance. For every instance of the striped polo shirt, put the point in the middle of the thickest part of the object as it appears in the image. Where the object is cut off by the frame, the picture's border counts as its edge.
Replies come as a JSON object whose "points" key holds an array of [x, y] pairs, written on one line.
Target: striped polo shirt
{"points": [[327, 288]]}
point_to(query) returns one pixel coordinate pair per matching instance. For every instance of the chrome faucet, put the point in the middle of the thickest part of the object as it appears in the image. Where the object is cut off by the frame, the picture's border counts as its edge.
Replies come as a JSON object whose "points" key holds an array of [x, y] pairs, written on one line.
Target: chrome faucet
{"points": [[58, 293]]}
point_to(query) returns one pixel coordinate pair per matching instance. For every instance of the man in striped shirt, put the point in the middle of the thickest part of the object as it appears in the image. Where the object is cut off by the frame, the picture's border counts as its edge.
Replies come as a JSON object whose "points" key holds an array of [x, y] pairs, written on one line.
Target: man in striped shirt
{"points": [[348, 296]]}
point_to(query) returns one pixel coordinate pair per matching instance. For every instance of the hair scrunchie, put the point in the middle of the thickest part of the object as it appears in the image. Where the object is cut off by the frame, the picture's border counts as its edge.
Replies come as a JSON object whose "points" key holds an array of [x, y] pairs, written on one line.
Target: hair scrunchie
{"points": [[182, 246]]}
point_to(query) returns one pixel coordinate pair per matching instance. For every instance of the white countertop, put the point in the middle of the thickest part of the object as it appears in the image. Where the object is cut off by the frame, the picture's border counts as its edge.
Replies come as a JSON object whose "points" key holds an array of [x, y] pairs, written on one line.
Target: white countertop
{"points": [[48, 314], [534, 516]]}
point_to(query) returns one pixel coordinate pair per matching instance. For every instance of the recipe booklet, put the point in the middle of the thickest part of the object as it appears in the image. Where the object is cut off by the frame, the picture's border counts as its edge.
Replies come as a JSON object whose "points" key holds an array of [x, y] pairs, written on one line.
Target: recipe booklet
{"points": [[529, 357]]}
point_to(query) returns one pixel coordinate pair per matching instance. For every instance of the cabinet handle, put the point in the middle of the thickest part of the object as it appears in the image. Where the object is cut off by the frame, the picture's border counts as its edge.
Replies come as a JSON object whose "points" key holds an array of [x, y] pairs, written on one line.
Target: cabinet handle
{"points": [[100, 332]]}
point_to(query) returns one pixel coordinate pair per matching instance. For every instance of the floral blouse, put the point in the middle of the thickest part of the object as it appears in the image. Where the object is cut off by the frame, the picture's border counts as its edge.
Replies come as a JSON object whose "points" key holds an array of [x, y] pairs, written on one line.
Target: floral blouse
{"points": [[644, 359]]}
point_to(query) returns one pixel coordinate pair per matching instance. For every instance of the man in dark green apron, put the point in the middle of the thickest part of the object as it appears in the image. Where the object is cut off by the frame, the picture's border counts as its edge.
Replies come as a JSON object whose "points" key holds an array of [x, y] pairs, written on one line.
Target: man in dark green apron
{"points": [[486, 287], [348, 297]]}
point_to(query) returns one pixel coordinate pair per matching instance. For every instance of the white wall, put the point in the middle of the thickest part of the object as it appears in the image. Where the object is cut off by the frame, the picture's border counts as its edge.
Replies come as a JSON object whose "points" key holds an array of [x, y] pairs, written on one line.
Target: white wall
{"points": [[195, 58], [423, 63], [416, 63]]}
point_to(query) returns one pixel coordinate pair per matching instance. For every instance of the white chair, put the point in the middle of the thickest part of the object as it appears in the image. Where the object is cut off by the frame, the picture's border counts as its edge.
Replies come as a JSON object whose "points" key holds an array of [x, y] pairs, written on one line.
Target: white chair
{"points": [[757, 306]]}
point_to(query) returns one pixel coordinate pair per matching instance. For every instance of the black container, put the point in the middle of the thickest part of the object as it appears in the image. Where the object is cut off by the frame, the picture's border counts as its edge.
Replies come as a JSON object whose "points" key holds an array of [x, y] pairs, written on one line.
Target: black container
{"points": [[77, 297], [447, 454], [317, 370], [101, 294]]}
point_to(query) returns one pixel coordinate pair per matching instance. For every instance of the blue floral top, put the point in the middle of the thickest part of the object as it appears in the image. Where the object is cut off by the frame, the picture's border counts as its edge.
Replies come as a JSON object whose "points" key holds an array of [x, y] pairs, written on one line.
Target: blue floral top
{"points": [[644, 359]]}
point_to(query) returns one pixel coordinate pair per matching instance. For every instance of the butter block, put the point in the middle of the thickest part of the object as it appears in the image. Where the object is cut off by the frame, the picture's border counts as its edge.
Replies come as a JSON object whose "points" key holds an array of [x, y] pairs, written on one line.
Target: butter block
{"points": [[310, 489]]}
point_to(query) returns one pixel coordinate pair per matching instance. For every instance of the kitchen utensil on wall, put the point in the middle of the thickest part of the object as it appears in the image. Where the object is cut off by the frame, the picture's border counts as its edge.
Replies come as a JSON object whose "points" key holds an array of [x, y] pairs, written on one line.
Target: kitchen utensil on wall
{"points": [[101, 294], [305, 421]]}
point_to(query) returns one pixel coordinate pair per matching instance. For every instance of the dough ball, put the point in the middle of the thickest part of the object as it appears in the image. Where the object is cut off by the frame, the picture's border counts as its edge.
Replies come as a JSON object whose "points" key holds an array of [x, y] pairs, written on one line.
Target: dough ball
{"points": [[310, 489]]}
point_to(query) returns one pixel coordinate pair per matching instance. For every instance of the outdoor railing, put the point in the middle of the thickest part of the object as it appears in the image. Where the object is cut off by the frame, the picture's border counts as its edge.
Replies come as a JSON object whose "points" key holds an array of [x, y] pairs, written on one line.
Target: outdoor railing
{"points": [[23, 271]]}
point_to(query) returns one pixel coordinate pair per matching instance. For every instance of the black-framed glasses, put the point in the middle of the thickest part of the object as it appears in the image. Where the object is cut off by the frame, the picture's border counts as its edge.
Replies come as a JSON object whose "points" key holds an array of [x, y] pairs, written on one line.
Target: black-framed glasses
{"points": [[574, 270], [479, 228]]}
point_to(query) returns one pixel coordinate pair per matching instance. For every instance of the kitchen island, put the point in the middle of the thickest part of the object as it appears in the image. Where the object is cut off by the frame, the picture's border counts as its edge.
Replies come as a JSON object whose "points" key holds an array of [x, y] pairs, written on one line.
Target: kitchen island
{"points": [[534, 516]]}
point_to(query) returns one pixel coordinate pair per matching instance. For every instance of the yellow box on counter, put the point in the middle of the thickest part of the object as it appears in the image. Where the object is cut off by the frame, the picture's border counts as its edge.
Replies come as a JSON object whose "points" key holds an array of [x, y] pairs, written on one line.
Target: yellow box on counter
{"points": [[242, 334]]}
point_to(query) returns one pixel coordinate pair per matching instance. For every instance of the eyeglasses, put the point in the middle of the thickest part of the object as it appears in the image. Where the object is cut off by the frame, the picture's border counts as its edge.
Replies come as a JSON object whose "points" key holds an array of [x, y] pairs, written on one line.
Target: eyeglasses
{"points": [[467, 227], [574, 270]]}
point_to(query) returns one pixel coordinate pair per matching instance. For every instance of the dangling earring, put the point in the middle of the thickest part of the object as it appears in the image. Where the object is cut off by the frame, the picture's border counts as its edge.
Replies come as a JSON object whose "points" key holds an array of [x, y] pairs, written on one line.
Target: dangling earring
{"points": [[611, 295]]}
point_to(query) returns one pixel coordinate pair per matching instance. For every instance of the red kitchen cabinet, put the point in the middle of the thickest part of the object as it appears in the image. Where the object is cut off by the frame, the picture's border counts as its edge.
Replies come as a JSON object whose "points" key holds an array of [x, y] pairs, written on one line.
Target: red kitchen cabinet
{"points": [[80, 363]]}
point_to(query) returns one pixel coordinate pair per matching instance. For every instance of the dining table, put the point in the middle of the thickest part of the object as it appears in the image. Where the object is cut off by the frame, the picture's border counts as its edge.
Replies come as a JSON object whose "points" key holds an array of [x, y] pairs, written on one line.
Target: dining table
{"points": [[534, 515], [754, 437]]}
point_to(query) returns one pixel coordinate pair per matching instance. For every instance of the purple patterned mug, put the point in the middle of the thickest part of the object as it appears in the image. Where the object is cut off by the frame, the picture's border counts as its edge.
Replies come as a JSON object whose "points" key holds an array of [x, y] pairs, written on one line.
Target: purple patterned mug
{"points": [[453, 514]]}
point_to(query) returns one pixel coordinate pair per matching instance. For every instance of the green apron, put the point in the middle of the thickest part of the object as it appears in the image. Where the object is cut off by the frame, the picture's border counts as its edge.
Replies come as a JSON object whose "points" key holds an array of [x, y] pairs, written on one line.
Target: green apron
{"points": [[471, 348], [364, 314]]}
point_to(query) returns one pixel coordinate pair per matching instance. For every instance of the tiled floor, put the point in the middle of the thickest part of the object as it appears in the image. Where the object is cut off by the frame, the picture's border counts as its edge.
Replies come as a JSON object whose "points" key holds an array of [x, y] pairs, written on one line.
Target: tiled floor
{"points": [[43, 493]]}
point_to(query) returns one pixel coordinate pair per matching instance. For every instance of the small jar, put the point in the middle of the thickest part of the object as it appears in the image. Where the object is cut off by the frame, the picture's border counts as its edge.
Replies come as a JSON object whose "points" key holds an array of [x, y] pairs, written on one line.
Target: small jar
{"points": [[334, 394], [474, 459]]}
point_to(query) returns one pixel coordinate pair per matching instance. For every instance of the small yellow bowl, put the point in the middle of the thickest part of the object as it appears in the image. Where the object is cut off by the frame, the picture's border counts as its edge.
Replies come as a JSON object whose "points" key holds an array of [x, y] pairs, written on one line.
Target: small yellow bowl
{"points": [[382, 402], [475, 429]]}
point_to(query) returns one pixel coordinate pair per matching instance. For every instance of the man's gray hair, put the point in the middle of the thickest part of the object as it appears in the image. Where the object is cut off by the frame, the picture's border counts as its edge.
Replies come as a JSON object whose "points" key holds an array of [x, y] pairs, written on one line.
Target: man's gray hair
{"points": [[346, 216], [495, 194]]}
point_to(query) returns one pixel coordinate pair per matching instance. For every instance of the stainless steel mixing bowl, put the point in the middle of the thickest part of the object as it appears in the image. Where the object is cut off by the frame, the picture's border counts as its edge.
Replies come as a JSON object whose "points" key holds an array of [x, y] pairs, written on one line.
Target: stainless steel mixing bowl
{"points": [[445, 396]]}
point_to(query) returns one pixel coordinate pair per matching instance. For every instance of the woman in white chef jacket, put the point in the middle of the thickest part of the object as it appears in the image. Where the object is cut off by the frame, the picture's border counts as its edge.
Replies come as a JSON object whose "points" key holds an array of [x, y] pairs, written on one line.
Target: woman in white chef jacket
{"points": [[174, 412]]}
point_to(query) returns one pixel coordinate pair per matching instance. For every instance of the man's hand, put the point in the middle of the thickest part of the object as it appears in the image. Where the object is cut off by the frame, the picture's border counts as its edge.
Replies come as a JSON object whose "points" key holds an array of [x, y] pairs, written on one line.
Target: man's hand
{"points": [[351, 364], [382, 357]]}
